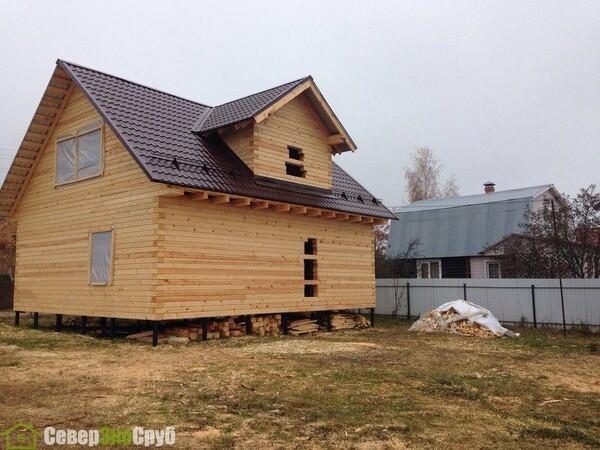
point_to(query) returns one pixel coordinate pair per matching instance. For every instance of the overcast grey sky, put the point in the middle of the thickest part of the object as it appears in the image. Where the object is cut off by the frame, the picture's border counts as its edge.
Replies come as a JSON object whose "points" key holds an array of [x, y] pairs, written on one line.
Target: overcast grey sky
{"points": [[507, 91]]}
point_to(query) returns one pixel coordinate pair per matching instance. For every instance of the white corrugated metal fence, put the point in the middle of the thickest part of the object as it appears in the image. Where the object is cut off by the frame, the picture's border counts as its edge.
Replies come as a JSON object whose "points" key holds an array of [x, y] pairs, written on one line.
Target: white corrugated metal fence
{"points": [[510, 300]]}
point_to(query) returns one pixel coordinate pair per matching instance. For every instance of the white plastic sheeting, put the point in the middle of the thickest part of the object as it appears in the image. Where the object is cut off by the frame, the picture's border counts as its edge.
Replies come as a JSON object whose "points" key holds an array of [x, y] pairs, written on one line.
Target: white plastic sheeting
{"points": [[65, 161], [101, 257], [80, 155], [89, 156], [464, 311]]}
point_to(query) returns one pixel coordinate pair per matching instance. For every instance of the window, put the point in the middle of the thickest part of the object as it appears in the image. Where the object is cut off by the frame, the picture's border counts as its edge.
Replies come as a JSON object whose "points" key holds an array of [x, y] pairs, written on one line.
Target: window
{"points": [[294, 164], [493, 269], [101, 258], [296, 153], [430, 269], [310, 246], [79, 156], [310, 268]]}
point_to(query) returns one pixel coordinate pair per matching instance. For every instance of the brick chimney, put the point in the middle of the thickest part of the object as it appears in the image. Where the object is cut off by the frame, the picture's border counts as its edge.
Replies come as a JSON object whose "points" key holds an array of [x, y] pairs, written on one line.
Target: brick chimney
{"points": [[489, 187]]}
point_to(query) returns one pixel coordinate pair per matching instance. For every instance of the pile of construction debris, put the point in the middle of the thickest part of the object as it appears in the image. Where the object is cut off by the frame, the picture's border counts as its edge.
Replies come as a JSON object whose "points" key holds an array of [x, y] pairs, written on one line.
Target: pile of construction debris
{"points": [[462, 318]]}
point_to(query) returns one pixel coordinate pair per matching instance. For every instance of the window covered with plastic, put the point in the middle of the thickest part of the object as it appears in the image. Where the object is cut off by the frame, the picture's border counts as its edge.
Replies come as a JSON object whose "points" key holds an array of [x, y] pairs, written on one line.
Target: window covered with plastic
{"points": [[101, 258], [79, 156]]}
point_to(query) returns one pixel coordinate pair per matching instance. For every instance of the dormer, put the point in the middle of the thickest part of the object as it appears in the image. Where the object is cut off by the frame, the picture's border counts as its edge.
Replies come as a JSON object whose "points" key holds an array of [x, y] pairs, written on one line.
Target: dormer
{"points": [[288, 133]]}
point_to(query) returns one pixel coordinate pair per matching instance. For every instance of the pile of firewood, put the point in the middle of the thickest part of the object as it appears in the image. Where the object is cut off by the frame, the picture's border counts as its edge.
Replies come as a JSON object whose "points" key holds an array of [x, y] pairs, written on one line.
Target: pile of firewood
{"points": [[464, 327], [267, 325], [361, 321], [344, 321], [303, 326], [450, 322]]}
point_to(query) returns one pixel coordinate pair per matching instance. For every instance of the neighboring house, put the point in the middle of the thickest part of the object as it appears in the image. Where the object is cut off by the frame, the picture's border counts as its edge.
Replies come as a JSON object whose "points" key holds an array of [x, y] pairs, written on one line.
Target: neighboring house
{"points": [[458, 235], [134, 203]]}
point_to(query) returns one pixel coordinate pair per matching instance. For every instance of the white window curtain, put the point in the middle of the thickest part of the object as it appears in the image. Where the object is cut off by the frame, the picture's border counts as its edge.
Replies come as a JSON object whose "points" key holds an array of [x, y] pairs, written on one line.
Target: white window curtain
{"points": [[101, 259]]}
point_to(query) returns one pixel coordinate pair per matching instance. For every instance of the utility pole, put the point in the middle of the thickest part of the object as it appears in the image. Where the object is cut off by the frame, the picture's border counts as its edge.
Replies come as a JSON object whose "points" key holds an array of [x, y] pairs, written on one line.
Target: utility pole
{"points": [[556, 243]]}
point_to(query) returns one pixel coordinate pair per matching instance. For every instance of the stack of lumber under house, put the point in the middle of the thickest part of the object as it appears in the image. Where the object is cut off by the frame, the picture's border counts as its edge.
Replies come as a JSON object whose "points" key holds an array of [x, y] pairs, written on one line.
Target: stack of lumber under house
{"points": [[262, 325]]}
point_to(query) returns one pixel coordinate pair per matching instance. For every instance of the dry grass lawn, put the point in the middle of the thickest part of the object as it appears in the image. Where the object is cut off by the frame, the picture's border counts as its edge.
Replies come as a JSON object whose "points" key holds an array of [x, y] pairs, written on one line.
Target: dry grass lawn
{"points": [[368, 389]]}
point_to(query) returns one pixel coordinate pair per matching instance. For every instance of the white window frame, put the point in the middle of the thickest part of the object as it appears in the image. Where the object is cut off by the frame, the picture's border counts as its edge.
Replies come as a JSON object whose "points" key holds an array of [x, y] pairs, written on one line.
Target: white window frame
{"points": [[112, 257], [428, 262], [487, 269], [91, 128]]}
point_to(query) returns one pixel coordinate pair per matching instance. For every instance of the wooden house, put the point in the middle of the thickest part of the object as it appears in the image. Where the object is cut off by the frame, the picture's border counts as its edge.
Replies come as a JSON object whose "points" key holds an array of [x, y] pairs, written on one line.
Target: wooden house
{"points": [[133, 203]]}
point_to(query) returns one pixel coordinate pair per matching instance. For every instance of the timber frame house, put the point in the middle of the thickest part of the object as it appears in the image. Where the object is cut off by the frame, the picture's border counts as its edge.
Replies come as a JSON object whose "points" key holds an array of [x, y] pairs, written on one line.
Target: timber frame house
{"points": [[133, 203]]}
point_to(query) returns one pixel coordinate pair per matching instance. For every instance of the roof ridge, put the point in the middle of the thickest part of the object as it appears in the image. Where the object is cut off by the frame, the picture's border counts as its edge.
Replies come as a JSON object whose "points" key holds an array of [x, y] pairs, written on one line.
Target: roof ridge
{"points": [[294, 82], [490, 195], [63, 61], [468, 205]]}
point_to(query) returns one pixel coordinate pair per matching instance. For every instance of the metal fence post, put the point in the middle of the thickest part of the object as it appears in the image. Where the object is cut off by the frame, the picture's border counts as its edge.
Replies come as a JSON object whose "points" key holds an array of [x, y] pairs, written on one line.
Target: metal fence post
{"points": [[533, 305], [562, 305], [408, 301], [465, 291]]}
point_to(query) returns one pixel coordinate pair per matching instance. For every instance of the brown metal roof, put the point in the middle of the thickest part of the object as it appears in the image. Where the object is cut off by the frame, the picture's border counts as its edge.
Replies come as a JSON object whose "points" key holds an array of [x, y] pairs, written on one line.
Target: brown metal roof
{"points": [[157, 129], [244, 108]]}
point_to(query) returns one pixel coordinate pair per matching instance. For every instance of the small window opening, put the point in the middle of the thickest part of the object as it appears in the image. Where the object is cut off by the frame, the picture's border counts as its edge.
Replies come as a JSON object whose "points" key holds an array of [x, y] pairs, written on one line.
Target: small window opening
{"points": [[310, 290], [310, 272], [294, 165], [296, 153], [294, 170], [310, 246]]}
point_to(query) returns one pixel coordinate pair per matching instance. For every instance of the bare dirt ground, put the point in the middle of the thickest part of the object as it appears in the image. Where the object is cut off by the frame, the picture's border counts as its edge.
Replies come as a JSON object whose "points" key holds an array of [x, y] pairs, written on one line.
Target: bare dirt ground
{"points": [[370, 389]]}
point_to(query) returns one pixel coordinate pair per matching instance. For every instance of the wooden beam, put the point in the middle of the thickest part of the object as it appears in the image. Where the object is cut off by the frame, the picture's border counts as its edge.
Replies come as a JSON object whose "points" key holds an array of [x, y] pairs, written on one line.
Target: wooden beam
{"points": [[281, 208], [298, 210], [174, 192], [219, 199], [240, 125], [259, 205], [381, 221], [335, 139], [314, 212], [332, 117], [241, 202], [368, 219], [342, 216], [282, 102], [198, 196], [328, 214], [355, 218], [61, 107], [56, 90]]}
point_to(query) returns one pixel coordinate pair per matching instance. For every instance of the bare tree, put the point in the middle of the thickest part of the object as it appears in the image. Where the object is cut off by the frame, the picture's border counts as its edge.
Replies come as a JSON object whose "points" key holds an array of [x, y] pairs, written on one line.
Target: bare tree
{"points": [[8, 247], [396, 267], [451, 188], [423, 177], [561, 240], [381, 238]]}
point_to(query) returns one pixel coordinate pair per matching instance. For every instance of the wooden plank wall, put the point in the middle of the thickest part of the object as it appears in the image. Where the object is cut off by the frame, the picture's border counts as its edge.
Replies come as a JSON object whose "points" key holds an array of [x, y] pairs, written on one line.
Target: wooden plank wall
{"points": [[54, 225], [264, 146], [223, 260], [241, 142]]}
